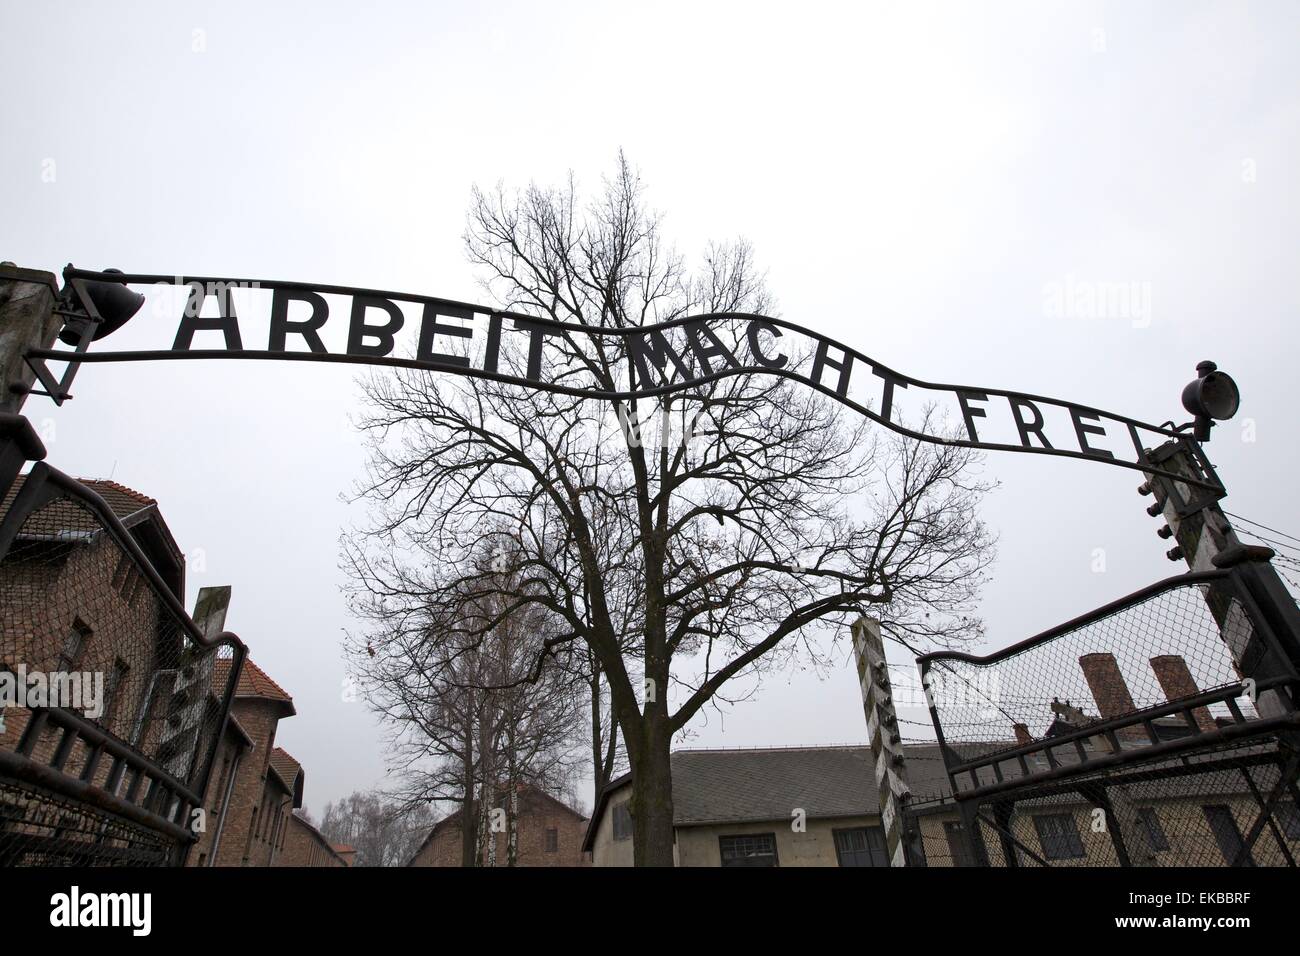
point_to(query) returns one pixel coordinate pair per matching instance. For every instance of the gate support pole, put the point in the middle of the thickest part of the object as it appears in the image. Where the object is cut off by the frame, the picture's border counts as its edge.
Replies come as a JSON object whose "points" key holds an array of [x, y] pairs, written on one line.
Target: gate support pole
{"points": [[27, 321], [1002, 811], [1205, 540], [1100, 799], [902, 839], [970, 824]]}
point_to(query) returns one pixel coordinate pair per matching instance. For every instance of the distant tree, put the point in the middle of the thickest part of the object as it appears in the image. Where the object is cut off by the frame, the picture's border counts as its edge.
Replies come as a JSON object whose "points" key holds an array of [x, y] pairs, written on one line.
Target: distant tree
{"points": [[381, 830], [449, 666]]}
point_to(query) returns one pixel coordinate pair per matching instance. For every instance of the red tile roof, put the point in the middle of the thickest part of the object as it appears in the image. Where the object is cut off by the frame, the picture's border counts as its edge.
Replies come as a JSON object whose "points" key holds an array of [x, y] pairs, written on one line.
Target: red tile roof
{"points": [[65, 517], [253, 682], [290, 773], [125, 502], [285, 766]]}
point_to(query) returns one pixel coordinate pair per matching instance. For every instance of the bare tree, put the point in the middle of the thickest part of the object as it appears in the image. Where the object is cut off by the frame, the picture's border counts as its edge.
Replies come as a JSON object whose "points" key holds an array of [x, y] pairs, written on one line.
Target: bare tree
{"points": [[447, 659], [383, 832], [679, 541]]}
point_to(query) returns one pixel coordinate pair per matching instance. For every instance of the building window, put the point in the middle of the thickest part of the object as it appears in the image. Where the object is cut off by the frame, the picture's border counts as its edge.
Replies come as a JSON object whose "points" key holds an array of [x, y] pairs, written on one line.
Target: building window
{"points": [[252, 832], [958, 848], [1150, 821], [127, 579], [137, 587], [861, 846], [752, 849], [1059, 836], [74, 645], [622, 822], [1288, 818], [1226, 833], [552, 840], [122, 573], [113, 690], [219, 794]]}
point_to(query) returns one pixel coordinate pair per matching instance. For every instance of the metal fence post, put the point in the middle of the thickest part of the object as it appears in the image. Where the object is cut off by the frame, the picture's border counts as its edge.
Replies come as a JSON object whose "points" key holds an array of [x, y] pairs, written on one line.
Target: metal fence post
{"points": [[1205, 540], [887, 756], [27, 321]]}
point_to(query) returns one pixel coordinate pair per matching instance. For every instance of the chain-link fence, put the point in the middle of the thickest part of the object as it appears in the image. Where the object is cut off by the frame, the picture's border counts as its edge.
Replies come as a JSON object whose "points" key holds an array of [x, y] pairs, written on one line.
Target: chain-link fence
{"points": [[41, 828], [114, 701], [1126, 737]]}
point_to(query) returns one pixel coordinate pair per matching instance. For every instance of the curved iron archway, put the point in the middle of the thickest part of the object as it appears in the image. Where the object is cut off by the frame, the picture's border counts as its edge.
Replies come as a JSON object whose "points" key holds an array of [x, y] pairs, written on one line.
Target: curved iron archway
{"points": [[662, 358]]}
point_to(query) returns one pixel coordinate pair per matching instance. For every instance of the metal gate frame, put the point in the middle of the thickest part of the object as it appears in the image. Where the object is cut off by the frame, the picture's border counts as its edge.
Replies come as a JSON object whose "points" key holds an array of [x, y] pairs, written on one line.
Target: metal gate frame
{"points": [[987, 782]]}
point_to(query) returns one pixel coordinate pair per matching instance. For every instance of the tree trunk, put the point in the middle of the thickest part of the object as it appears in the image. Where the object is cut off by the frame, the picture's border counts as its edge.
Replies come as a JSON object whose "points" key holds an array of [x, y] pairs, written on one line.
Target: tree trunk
{"points": [[468, 828], [652, 796], [597, 748], [512, 835], [468, 811], [602, 750], [512, 804]]}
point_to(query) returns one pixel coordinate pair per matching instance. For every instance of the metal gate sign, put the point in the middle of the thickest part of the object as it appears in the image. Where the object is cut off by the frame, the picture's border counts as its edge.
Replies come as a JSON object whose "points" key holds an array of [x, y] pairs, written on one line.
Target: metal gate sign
{"points": [[216, 318]]}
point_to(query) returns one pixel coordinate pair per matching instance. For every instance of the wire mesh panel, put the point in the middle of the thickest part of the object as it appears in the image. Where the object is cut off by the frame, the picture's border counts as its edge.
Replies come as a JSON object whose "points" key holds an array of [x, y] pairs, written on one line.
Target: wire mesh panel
{"points": [[1165, 648], [41, 828], [1128, 737], [112, 694], [1207, 811]]}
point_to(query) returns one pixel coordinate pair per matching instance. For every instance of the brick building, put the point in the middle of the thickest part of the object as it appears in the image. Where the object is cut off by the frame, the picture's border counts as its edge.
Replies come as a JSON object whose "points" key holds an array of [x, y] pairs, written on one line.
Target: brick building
{"points": [[258, 786], [71, 601], [68, 586], [348, 853], [549, 834], [303, 845]]}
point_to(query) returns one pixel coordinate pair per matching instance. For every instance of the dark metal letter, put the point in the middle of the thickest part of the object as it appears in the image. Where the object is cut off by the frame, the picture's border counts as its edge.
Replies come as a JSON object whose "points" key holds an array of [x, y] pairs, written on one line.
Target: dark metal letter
{"points": [[821, 361], [225, 322], [759, 325], [537, 330], [655, 347], [281, 325], [887, 398], [493, 343], [358, 331], [1083, 431], [964, 398], [429, 327], [704, 352], [1025, 428]]}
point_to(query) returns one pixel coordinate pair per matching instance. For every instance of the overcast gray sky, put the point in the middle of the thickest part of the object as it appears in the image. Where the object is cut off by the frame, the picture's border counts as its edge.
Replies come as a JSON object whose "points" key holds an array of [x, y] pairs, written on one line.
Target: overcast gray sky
{"points": [[917, 179]]}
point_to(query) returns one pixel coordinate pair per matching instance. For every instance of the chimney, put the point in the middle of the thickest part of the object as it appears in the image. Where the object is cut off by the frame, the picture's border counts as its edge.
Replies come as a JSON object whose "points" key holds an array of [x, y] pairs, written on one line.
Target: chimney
{"points": [[1107, 685], [1176, 681], [1109, 691], [1022, 734]]}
